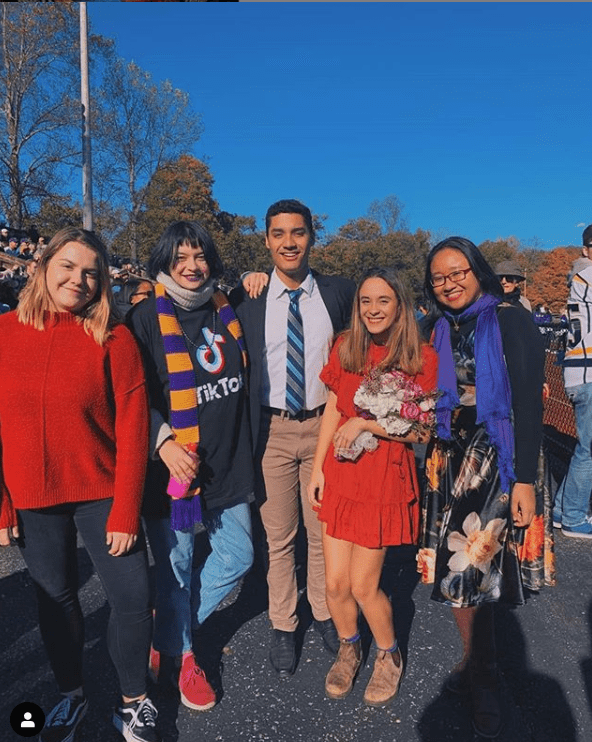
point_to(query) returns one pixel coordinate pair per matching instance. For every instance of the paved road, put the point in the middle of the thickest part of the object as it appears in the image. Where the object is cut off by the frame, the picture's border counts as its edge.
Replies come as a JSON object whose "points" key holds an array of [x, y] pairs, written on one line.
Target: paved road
{"points": [[545, 648]]}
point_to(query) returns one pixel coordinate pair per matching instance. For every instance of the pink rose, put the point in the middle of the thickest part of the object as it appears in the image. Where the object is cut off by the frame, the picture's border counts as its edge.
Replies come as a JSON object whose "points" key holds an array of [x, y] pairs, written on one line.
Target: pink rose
{"points": [[410, 411], [425, 418]]}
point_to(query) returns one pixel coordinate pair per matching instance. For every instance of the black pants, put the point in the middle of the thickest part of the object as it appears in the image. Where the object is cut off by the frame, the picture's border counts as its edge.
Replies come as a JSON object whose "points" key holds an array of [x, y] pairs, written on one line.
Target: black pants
{"points": [[49, 550]]}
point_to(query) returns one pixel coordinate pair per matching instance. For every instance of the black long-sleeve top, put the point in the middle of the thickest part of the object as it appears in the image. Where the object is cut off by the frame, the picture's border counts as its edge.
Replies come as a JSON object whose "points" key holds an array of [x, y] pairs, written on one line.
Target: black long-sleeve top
{"points": [[226, 463]]}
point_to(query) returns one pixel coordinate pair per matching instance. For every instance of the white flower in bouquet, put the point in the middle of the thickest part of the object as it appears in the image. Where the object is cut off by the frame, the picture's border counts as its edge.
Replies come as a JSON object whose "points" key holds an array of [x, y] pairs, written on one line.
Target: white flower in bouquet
{"points": [[396, 402]]}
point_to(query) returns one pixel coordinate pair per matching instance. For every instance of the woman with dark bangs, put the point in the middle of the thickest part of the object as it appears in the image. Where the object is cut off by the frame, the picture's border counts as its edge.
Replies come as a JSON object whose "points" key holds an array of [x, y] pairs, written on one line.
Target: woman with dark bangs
{"points": [[74, 433], [482, 466], [368, 504], [201, 467]]}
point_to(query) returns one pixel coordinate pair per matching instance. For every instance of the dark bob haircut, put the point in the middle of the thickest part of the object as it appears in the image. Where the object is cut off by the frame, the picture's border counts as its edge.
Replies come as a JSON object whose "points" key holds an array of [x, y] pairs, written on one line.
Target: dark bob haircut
{"points": [[164, 253], [289, 206], [483, 272]]}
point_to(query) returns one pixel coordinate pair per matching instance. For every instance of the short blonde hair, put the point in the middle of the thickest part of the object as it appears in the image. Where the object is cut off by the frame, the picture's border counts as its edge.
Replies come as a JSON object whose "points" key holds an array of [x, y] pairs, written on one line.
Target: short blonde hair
{"points": [[99, 315]]}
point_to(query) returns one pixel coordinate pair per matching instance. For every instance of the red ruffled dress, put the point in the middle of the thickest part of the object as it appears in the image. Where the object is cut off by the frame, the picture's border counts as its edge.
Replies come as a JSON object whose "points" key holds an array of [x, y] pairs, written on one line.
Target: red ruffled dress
{"points": [[374, 501]]}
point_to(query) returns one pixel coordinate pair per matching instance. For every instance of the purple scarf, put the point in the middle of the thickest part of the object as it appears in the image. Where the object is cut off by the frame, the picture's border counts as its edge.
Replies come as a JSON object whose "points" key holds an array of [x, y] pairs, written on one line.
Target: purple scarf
{"points": [[492, 386]]}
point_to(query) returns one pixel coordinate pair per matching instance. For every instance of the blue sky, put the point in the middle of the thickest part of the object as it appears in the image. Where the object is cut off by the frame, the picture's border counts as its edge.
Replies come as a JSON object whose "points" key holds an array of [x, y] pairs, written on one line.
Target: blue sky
{"points": [[476, 115]]}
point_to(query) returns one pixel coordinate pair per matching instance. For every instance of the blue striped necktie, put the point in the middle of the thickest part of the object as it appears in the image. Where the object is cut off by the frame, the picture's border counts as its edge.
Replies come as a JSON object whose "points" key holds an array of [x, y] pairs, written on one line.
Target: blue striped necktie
{"points": [[295, 356]]}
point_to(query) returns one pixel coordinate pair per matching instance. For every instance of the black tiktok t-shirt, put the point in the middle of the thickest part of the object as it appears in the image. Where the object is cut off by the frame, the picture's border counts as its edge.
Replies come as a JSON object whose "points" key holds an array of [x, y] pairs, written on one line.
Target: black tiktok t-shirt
{"points": [[226, 466]]}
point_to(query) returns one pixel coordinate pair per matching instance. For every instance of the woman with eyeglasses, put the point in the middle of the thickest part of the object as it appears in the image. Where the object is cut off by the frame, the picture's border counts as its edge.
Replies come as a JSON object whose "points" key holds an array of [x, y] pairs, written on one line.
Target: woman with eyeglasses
{"points": [[481, 468]]}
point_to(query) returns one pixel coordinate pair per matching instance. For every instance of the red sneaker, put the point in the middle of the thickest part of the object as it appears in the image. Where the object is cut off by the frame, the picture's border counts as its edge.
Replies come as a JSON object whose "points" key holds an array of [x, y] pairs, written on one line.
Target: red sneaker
{"points": [[196, 692], [154, 664]]}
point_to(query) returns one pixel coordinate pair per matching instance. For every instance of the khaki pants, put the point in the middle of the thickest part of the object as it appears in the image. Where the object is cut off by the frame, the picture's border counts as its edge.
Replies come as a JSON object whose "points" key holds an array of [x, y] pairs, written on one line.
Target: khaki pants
{"points": [[288, 453]]}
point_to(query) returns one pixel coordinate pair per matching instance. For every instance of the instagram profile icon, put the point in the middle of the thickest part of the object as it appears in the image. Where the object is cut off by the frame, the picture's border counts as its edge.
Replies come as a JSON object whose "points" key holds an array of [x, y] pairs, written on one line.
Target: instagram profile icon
{"points": [[27, 719]]}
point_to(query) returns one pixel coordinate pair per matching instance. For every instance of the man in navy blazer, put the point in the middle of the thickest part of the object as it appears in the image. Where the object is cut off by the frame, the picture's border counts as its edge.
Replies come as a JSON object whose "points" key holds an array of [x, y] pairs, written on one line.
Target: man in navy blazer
{"points": [[285, 441]]}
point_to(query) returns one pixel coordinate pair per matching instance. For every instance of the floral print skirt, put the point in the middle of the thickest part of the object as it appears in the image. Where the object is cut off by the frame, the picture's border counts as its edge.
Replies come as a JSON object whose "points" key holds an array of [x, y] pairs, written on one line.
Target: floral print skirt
{"points": [[470, 549]]}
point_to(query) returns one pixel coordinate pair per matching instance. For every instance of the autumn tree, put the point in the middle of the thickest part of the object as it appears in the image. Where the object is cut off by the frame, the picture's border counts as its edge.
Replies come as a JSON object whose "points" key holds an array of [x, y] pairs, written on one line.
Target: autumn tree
{"points": [[183, 189], [361, 229], [359, 246], [241, 246], [140, 126], [495, 251], [549, 283], [388, 213], [179, 189], [531, 260], [38, 71]]}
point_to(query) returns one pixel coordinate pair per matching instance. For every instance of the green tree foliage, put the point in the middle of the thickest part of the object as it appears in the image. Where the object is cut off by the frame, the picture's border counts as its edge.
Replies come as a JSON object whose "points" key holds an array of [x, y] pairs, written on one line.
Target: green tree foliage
{"points": [[38, 117], [141, 126], [56, 212]]}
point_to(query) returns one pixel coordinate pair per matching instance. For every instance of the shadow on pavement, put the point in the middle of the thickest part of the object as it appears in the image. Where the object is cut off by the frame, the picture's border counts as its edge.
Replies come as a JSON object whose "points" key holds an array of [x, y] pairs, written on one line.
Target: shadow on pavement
{"points": [[535, 707], [399, 580], [586, 665], [22, 655]]}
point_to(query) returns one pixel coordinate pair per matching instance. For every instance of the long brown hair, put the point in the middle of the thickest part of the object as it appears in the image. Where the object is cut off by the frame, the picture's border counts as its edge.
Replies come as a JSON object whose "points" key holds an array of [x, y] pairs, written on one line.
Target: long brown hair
{"points": [[99, 315], [404, 341]]}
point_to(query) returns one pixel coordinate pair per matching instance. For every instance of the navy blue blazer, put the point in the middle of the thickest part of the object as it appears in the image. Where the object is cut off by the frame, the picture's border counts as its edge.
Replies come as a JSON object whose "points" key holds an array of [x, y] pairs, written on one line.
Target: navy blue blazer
{"points": [[338, 296]]}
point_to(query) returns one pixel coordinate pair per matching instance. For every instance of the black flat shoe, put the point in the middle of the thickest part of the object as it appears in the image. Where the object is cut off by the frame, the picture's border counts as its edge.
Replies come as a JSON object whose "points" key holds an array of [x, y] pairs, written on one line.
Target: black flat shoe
{"points": [[282, 654], [328, 634]]}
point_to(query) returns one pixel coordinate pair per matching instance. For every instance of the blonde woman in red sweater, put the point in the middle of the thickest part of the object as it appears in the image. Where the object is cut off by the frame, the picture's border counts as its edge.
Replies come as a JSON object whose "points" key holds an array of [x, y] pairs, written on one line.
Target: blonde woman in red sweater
{"points": [[74, 438]]}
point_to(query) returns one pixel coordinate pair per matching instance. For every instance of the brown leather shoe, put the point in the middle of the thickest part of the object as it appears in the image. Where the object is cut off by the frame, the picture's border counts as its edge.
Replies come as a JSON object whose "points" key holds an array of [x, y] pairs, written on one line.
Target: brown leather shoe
{"points": [[386, 678], [340, 678]]}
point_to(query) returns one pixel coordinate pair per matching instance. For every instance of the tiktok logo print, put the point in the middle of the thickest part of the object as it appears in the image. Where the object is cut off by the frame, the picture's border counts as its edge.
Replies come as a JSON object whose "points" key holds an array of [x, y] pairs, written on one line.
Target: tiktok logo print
{"points": [[210, 356]]}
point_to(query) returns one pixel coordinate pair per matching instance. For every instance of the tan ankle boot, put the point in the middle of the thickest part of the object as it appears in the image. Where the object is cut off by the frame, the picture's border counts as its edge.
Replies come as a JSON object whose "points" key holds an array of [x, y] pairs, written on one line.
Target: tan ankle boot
{"points": [[341, 676], [386, 677]]}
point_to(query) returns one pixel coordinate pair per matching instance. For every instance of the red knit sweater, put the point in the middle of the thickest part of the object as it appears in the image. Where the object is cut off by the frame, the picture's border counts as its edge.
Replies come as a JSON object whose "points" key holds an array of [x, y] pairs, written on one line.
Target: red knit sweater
{"points": [[73, 419]]}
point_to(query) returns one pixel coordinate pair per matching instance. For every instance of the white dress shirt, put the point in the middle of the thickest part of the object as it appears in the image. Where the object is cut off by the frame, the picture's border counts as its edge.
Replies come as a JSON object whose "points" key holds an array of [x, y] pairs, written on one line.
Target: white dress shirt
{"points": [[318, 337]]}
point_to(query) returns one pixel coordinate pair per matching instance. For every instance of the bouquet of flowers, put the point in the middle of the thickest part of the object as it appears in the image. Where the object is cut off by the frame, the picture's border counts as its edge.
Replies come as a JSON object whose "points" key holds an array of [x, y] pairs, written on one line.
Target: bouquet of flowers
{"points": [[396, 402]]}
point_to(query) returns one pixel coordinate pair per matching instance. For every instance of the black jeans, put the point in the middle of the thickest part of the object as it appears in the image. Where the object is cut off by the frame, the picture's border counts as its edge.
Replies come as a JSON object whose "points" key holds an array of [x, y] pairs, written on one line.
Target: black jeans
{"points": [[48, 547]]}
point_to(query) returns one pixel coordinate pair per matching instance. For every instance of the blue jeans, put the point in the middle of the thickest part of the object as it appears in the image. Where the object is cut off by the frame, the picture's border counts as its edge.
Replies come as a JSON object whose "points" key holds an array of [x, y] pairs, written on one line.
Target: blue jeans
{"points": [[185, 597], [572, 500]]}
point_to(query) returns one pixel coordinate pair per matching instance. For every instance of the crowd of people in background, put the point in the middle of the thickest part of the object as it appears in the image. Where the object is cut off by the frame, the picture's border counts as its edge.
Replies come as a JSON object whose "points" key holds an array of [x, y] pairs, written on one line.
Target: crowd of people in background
{"points": [[156, 400]]}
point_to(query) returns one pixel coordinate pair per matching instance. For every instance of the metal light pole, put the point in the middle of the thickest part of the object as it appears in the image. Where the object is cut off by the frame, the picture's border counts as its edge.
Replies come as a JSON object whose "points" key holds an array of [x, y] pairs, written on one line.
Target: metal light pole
{"points": [[87, 204]]}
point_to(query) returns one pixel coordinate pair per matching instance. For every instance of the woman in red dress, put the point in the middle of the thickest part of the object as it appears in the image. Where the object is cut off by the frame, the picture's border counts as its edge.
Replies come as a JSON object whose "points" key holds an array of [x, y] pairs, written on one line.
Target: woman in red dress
{"points": [[373, 502]]}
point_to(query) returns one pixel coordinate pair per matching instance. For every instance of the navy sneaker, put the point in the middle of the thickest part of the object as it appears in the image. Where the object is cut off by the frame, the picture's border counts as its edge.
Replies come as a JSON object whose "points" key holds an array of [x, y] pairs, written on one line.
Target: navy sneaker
{"points": [[583, 530], [137, 721], [557, 519], [62, 720]]}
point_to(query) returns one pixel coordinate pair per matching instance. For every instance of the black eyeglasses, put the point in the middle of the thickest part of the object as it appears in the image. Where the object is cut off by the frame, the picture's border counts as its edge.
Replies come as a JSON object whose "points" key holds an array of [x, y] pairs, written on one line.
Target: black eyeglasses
{"points": [[456, 277]]}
